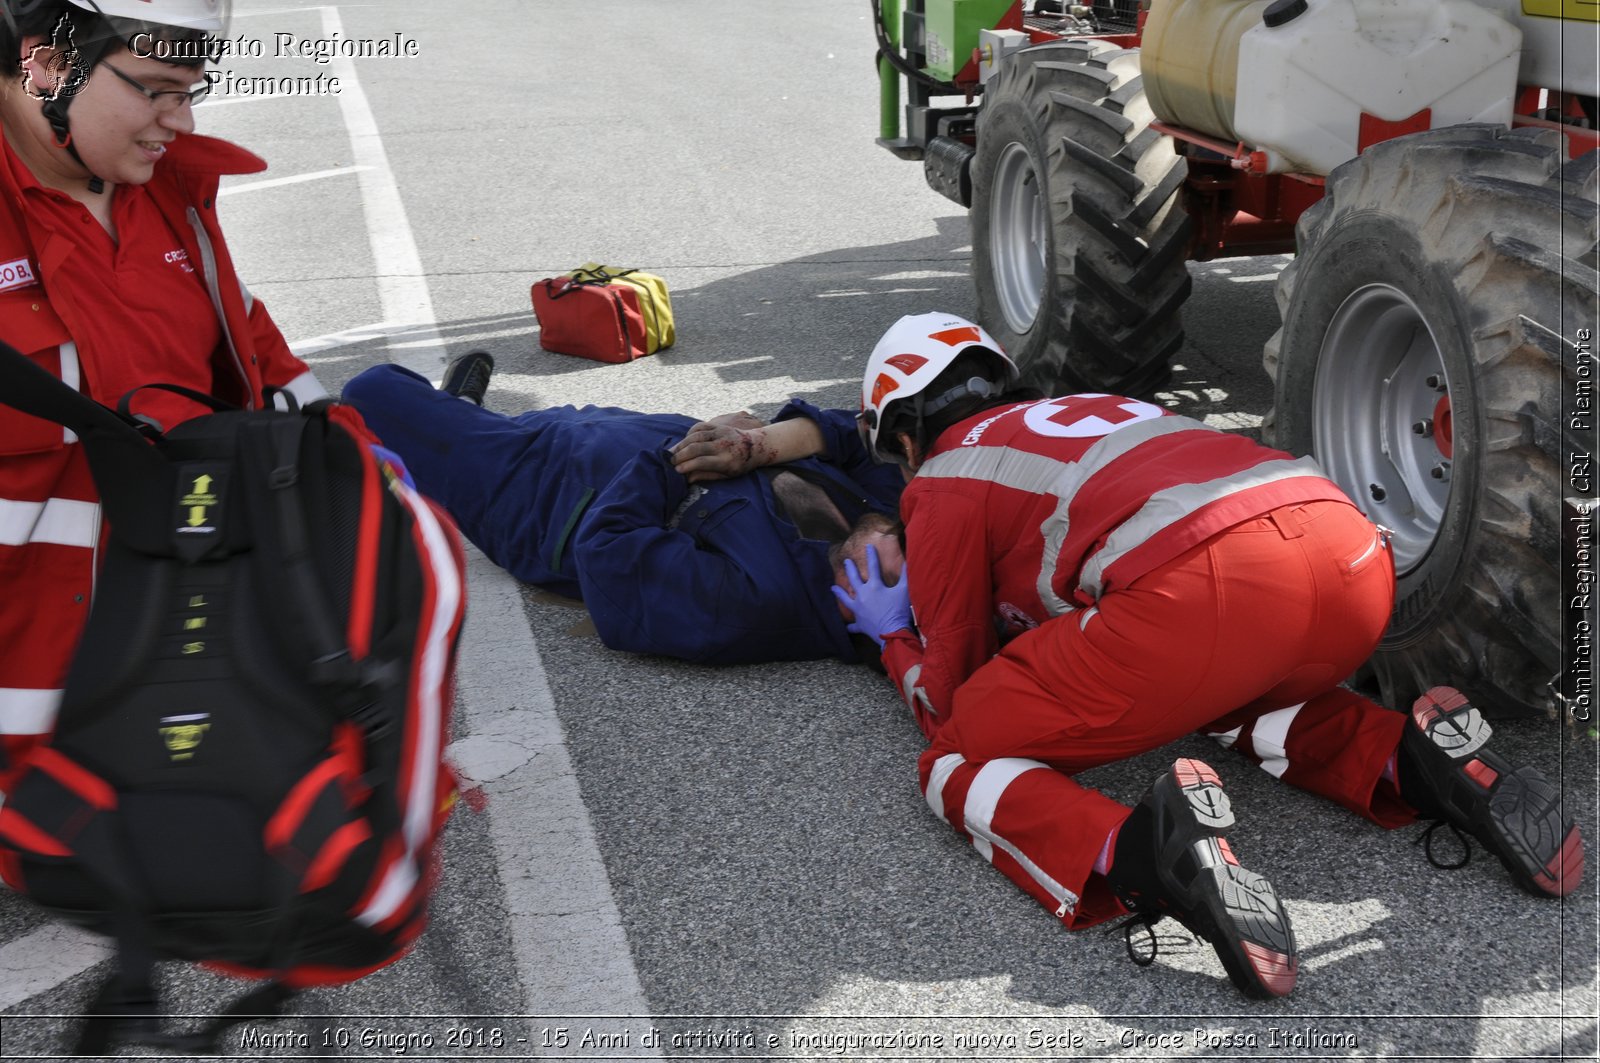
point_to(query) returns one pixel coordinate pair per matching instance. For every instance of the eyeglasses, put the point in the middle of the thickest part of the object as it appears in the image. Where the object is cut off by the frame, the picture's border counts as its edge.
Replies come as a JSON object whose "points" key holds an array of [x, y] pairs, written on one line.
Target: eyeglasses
{"points": [[164, 100]]}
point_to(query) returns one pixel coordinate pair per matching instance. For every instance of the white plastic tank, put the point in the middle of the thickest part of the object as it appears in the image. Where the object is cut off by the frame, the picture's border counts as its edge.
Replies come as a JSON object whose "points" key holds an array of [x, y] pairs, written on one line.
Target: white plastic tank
{"points": [[1305, 82], [1189, 57]]}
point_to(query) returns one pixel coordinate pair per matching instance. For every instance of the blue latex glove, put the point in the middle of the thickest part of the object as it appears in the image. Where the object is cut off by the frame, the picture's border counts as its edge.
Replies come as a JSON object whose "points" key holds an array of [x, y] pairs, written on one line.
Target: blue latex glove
{"points": [[878, 610]]}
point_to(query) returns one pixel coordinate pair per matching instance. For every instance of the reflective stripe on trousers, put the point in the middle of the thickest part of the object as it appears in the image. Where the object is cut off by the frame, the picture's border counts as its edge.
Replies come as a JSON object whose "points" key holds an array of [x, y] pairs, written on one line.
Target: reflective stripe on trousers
{"points": [[983, 797]]}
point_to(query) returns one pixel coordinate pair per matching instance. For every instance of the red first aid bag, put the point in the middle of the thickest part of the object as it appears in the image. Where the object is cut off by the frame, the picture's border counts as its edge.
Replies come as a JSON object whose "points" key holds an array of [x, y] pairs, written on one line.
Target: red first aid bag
{"points": [[590, 319]]}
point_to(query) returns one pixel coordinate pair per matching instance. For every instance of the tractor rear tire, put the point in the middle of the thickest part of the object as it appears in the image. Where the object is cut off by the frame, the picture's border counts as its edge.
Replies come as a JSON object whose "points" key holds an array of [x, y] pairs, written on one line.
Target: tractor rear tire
{"points": [[1432, 326], [1079, 242]]}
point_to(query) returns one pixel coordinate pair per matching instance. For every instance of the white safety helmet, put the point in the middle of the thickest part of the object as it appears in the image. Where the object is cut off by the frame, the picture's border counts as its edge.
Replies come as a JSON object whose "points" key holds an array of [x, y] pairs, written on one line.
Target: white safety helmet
{"points": [[908, 358], [201, 16], [205, 16]]}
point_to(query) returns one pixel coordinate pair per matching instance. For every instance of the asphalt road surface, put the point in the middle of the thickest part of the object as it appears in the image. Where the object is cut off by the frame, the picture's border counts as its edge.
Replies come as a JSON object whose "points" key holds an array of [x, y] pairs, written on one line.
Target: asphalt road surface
{"points": [[662, 860]]}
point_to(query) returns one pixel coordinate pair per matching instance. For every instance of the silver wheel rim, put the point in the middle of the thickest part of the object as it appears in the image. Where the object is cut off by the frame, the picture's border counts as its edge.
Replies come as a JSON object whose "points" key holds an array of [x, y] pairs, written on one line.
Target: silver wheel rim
{"points": [[1018, 237], [1381, 417]]}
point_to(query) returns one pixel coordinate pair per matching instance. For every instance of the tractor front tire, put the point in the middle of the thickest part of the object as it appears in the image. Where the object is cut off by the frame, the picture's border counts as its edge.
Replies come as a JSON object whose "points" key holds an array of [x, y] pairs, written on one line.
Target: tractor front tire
{"points": [[1432, 325], [1079, 243]]}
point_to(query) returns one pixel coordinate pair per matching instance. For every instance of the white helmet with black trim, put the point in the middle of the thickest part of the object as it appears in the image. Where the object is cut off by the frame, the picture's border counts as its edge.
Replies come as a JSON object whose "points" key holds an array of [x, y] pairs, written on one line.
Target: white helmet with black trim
{"points": [[126, 17], [205, 16], [908, 359]]}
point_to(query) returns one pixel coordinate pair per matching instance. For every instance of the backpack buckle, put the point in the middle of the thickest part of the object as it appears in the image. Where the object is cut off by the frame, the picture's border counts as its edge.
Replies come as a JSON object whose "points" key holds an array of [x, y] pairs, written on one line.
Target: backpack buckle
{"points": [[366, 717], [377, 678], [334, 669], [362, 684]]}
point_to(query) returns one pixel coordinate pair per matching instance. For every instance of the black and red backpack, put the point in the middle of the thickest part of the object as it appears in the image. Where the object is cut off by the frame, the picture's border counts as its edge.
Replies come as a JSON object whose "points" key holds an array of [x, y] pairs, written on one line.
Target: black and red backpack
{"points": [[246, 769]]}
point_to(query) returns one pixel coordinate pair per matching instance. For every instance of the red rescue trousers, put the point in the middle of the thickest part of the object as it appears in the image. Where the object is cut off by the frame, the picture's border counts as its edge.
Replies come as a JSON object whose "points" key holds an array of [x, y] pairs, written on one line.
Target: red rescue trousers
{"points": [[1246, 637]]}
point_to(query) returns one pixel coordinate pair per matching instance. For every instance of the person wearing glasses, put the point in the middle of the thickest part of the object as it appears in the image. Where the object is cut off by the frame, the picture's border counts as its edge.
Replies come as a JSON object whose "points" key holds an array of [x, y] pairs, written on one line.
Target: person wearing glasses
{"points": [[113, 274]]}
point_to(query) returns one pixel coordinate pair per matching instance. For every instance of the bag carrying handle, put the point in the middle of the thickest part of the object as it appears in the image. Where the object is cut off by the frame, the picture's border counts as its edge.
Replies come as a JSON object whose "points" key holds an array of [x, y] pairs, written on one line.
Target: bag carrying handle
{"points": [[598, 275], [583, 278], [568, 288], [125, 404]]}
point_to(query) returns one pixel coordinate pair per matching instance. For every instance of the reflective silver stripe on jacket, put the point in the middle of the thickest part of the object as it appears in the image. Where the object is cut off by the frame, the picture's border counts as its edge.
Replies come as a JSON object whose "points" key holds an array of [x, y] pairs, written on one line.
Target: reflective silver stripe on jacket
{"points": [[306, 388], [1105, 450], [1167, 507], [1023, 471], [1041, 475], [28, 712], [60, 521], [1036, 474], [1006, 466], [72, 376], [208, 269], [911, 689]]}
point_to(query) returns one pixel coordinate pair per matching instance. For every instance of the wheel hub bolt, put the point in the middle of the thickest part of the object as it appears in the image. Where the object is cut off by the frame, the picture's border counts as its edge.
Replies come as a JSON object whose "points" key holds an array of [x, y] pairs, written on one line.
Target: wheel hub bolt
{"points": [[1436, 382], [1423, 427], [1440, 471]]}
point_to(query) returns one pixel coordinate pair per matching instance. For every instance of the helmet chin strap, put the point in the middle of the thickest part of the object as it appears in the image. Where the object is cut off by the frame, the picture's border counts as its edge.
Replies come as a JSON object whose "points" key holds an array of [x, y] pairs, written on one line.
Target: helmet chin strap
{"points": [[86, 58], [925, 407], [55, 112], [973, 385]]}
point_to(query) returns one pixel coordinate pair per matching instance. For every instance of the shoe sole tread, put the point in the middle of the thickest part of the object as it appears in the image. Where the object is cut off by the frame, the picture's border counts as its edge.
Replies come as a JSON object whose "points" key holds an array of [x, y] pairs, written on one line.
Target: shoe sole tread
{"points": [[1235, 909], [1527, 830], [1515, 812]]}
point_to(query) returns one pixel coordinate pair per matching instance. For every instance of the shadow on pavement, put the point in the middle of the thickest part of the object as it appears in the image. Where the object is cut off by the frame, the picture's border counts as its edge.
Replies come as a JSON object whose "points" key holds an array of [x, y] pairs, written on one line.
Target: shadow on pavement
{"points": [[770, 852]]}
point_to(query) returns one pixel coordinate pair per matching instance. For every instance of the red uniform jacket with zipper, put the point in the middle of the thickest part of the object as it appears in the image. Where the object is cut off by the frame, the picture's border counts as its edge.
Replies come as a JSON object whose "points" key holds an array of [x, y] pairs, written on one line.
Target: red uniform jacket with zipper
{"points": [[50, 526]]}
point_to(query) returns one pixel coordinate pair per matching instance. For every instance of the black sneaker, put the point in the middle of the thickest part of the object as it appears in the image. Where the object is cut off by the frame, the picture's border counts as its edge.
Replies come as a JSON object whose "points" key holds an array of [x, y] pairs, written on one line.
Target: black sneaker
{"points": [[1171, 859], [1516, 813], [468, 376]]}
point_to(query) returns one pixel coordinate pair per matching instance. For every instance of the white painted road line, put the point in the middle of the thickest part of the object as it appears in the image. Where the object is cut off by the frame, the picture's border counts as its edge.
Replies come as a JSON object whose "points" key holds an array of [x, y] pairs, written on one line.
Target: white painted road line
{"points": [[275, 182], [38, 962], [571, 952], [345, 337], [402, 284]]}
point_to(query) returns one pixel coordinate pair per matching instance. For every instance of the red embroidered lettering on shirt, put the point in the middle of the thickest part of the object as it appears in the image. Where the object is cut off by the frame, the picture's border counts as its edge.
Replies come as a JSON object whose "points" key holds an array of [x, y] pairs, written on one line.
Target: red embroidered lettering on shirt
{"points": [[18, 274]]}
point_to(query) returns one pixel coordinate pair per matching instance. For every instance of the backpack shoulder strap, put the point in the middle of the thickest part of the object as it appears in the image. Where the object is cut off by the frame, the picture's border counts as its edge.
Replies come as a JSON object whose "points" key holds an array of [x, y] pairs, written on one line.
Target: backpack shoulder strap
{"points": [[29, 388], [132, 476], [276, 442]]}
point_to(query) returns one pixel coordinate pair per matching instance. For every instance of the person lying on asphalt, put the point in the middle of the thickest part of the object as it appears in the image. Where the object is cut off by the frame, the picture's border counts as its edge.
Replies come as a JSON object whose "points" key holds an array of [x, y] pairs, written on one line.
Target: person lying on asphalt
{"points": [[689, 539]]}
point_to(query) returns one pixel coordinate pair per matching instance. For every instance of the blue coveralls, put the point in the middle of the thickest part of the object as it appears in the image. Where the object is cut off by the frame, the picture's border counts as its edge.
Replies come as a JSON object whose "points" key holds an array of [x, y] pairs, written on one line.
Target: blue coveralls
{"points": [[587, 503]]}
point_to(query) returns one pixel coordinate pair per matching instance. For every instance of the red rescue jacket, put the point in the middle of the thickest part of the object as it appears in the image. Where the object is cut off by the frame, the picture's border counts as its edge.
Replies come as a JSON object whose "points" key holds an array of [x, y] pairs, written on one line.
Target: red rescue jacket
{"points": [[1034, 511], [49, 514]]}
